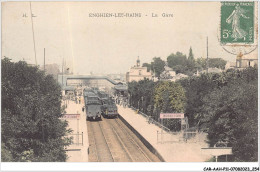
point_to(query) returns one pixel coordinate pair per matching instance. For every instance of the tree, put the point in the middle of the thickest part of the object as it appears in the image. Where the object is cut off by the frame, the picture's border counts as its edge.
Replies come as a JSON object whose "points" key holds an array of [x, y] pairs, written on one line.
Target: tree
{"points": [[201, 64], [191, 56], [155, 97], [31, 107], [146, 92], [170, 97], [177, 59], [225, 106], [217, 63], [230, 114], [198, 87], [148, 66], [133, 92], [178, 62], [142, 92], [6, 155], [157, 66], [191, 63]]}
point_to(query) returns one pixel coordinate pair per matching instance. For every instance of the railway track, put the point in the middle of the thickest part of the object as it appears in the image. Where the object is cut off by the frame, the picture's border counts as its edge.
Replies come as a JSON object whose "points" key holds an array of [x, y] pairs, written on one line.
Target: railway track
{"points": [[110, 140], [115, 144], [102, 151], [145, 151], [135, 152]]}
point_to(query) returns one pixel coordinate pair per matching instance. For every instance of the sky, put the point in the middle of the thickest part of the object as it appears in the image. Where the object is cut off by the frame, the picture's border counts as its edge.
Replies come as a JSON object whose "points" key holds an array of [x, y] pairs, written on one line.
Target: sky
{"points": [[109, 44]]}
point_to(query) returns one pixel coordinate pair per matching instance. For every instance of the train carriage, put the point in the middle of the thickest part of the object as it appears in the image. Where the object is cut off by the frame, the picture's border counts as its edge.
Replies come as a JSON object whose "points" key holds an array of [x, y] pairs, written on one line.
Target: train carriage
{"points": [[111, 109], [93, 106]]}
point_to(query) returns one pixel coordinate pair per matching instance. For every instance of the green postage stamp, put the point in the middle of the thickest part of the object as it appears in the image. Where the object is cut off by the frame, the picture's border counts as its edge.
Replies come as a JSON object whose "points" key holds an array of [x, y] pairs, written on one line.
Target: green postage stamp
{"points": [[237, 22]]}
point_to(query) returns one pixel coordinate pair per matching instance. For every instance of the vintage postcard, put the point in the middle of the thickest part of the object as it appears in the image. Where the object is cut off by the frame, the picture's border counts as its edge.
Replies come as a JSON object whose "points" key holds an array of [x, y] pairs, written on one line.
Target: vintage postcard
{"points": [[130, 82]]}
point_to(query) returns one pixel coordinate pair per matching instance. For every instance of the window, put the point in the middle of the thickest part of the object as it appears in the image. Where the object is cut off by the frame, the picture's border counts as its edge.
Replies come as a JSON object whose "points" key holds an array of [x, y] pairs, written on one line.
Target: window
{"points": [[238, 63], [140, 72]]}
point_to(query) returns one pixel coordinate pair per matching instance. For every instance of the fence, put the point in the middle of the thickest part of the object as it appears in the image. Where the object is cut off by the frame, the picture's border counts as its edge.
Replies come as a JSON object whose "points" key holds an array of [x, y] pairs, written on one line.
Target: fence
{"points": [[77, 139], [183, 136], [151, 120], [167, 136]]}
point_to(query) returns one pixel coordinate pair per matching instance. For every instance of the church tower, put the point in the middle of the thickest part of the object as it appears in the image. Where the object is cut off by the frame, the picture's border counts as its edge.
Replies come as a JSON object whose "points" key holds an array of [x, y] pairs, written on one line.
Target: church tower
{"points": [[138, 62]]}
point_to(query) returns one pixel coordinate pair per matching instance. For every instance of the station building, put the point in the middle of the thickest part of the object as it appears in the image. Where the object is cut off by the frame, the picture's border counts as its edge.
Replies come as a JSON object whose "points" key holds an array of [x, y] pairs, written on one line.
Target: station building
{"points": [[137, 73], [244, 61]]}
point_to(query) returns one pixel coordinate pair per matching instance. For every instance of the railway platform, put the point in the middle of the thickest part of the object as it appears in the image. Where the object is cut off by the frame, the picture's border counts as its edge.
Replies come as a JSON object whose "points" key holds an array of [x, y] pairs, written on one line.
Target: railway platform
{"points": [[172, 149], [78, 150]]}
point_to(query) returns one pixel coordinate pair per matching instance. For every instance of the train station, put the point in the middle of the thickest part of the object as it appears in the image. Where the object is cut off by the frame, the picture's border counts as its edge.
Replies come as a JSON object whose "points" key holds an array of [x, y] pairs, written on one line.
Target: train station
{"points": [[121, 139]]}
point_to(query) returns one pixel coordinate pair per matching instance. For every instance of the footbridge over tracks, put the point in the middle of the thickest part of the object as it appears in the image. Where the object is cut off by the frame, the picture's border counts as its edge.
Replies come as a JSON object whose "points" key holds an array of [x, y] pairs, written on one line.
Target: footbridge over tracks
{"points": [[71, 81]]}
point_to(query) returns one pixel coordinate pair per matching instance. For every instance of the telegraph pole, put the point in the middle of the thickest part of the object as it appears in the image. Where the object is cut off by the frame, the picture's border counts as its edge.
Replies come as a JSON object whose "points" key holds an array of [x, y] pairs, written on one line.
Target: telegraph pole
{"points": [[207, 56], [62, 70], [44, 58], [33, 35]]}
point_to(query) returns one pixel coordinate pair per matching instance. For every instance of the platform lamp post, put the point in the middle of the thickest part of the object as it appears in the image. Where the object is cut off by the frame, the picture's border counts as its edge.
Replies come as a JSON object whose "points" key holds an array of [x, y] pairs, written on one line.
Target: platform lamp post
{"points": [[77, 128], [138, 105], [142, 103], [161, 126]]}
